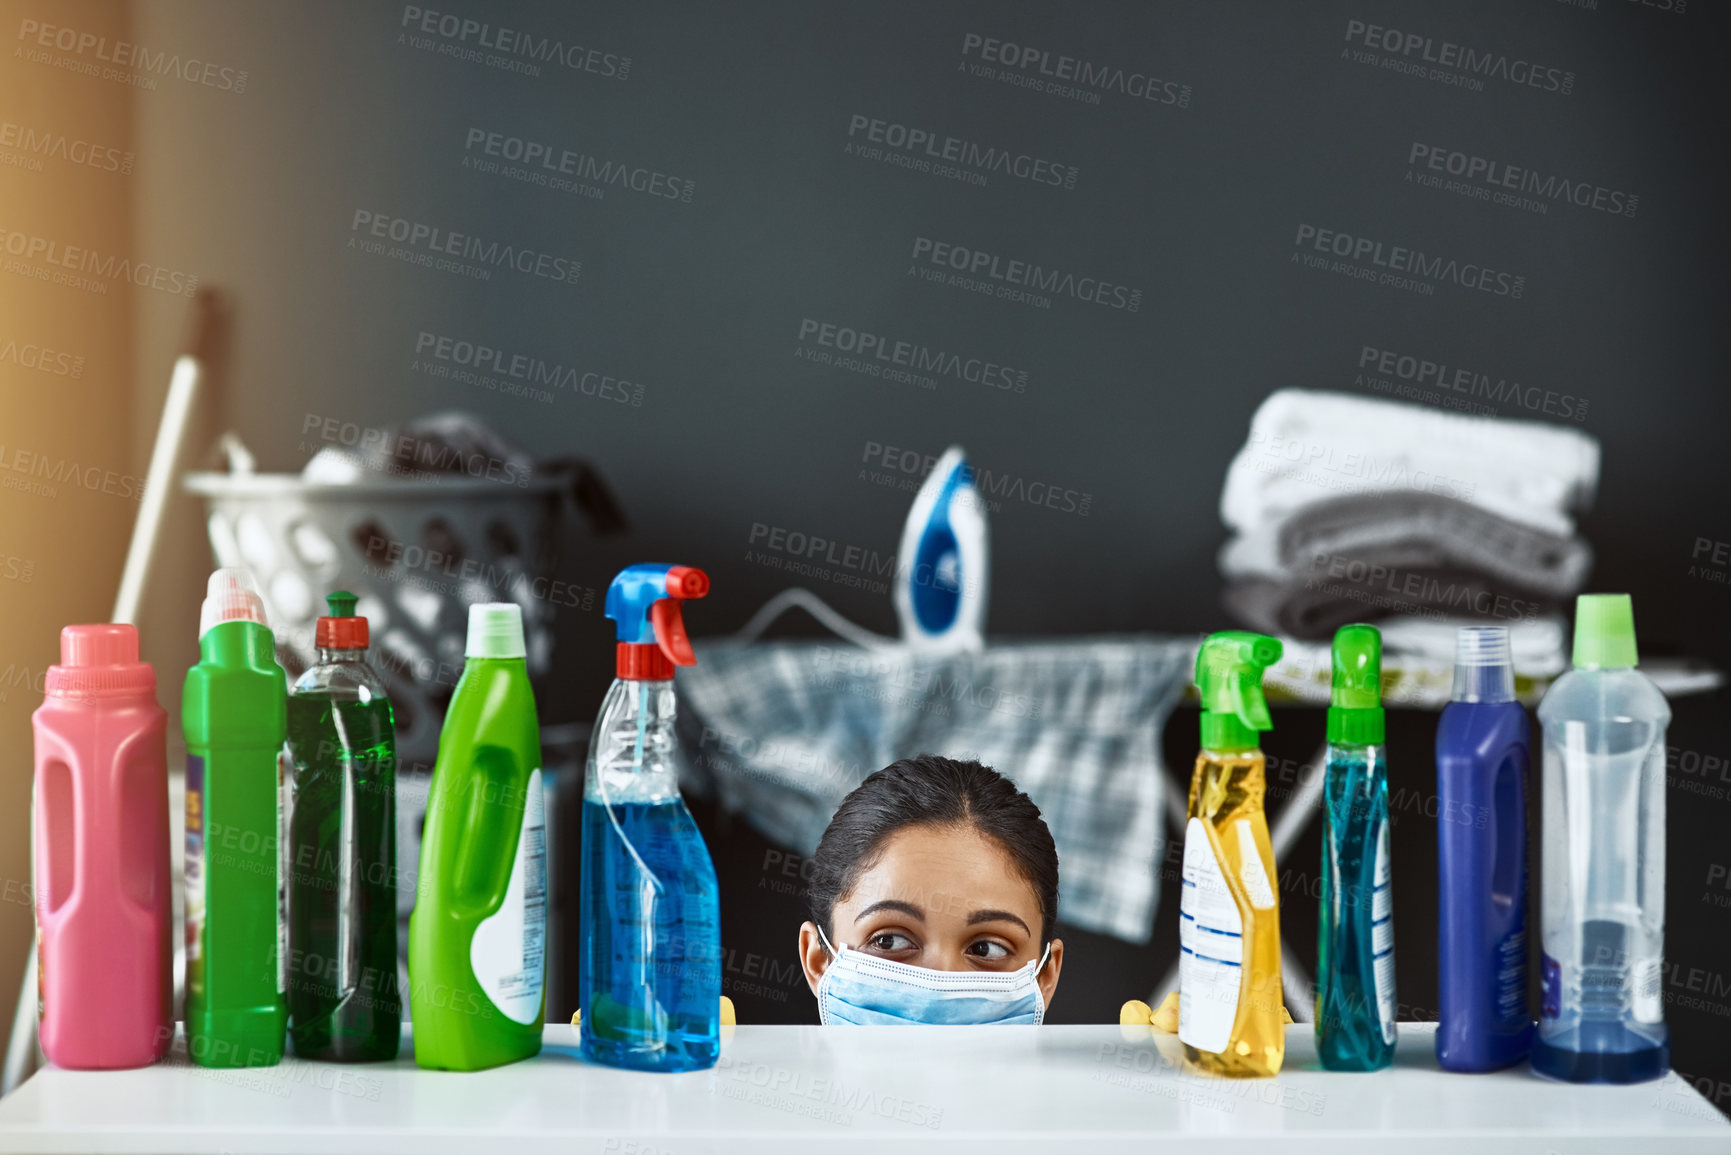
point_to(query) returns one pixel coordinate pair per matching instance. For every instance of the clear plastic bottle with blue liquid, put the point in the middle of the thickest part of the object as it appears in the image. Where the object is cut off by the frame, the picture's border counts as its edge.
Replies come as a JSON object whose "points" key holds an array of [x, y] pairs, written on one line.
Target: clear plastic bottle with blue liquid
{"points": [[1355, 1005], [650, 983], [1602, 1017]]}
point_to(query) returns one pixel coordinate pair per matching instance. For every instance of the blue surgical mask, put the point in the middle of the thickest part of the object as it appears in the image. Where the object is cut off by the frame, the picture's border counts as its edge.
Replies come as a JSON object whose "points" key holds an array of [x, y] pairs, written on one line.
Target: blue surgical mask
{"points": [[865, 990]]}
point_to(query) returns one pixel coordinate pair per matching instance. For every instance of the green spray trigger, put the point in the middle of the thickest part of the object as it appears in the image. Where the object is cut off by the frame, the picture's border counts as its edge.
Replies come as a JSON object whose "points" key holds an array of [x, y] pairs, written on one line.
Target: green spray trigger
{"points": [[1229, 681], [1355, 701]]}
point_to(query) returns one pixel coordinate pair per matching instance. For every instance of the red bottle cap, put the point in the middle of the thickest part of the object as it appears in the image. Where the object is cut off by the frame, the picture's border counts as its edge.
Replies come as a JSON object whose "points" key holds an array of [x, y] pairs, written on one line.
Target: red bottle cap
{"points": [[642, 663], [342, 630]]}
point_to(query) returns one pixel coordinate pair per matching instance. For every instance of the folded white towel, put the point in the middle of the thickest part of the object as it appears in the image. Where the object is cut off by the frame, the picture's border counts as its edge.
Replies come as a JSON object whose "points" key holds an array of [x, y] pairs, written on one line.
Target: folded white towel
{"points": [[1535, 645], [1308, 446]]}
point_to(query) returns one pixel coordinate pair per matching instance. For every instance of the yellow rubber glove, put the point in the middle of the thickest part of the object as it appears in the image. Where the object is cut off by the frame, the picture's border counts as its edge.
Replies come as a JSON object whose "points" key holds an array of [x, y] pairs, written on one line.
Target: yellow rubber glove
{"points": [[1166, 1018], [1136, 1013]]}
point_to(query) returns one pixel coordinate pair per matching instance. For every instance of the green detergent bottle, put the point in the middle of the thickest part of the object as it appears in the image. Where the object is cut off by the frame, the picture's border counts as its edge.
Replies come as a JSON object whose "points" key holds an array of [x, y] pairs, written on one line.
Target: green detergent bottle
{"points": [[234, 714], [477, 936]]}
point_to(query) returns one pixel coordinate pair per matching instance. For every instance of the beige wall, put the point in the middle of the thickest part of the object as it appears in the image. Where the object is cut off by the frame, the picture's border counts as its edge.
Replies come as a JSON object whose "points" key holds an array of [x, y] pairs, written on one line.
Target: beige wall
{"points": [[64, 431]]}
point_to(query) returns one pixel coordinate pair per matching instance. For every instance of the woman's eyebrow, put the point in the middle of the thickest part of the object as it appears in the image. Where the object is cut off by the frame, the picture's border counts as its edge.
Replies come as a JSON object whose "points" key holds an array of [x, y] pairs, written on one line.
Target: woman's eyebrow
{"points": [[980, 916], [894, 904]]}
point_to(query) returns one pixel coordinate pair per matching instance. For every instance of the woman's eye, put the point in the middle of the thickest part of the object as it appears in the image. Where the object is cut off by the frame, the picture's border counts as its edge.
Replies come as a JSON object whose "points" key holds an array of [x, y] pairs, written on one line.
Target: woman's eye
{"points": [[989, 950], [889, 943]]}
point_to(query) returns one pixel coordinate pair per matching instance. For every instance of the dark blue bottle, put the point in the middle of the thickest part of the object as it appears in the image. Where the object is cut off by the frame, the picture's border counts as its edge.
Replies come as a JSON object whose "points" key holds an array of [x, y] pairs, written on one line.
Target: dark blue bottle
{"points": [[1481, 771]]}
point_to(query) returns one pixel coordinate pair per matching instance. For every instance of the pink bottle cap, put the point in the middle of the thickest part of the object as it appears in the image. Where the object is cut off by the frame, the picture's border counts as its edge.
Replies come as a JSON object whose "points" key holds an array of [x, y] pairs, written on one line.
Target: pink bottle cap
{"points": [[100, 659]]}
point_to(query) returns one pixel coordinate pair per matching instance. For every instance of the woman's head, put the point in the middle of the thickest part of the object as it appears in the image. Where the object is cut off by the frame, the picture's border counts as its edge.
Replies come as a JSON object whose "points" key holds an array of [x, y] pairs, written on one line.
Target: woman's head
{"points": [[938, 863]]}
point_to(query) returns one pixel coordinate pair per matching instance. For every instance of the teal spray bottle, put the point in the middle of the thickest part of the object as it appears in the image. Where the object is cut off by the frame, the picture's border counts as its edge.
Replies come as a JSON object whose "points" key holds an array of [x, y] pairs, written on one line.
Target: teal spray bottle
{"points": [[1355, 936]]}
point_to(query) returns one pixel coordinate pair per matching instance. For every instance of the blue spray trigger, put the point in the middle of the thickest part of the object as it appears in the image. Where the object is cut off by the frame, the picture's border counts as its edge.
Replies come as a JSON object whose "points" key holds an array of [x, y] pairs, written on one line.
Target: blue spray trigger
{"points": [[631, 603]]}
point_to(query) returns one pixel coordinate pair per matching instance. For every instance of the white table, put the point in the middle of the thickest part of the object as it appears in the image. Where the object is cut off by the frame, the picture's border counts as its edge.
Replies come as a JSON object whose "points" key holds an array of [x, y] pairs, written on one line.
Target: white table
{"points": [[814, 1090]]}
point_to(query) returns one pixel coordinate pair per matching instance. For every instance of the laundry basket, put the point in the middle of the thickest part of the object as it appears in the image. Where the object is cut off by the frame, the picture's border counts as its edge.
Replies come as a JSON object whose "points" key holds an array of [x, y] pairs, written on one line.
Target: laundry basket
{"points": [[417, 554]]}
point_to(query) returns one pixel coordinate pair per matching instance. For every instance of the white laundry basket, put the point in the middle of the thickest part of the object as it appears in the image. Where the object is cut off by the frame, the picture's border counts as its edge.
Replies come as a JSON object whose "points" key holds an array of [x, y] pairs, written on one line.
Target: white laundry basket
{"points": [[417, 554]]}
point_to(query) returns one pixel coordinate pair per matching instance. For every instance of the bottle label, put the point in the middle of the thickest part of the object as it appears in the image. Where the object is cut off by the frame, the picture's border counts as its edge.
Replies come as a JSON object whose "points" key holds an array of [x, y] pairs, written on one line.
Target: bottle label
{"points": [[509, 948], [1512, 976], [1210, 947], [1382, 936], [194, 869], [285, 769]]}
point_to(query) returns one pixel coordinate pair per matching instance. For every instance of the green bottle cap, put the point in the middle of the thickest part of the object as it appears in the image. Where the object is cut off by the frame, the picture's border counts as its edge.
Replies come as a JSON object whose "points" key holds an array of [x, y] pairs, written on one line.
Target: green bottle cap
{"points": [[495, 631], [1604, 631], [1355, 702], [1229, 681], [342, 603]]}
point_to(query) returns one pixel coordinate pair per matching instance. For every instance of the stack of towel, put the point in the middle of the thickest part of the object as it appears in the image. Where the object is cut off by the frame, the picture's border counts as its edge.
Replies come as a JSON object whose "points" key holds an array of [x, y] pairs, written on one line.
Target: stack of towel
{"points": [[1345, 508]]}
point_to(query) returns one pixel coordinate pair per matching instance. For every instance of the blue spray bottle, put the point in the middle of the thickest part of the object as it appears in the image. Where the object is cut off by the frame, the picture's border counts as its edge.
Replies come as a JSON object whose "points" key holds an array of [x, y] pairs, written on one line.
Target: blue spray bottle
{"points": [[1355, 939], [1482, 757], [650, 982]]}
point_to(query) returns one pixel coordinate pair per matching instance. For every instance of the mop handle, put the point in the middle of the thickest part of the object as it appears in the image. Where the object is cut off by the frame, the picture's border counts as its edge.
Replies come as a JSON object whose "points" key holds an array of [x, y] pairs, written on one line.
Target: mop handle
{"points": [[176, 411]]}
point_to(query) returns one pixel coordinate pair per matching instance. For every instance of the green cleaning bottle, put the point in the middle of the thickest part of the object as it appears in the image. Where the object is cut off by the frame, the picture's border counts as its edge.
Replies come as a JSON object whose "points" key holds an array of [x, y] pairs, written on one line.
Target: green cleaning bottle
{"points": [[1229, 996], [477, 936], [233, 713], [342, 938]]}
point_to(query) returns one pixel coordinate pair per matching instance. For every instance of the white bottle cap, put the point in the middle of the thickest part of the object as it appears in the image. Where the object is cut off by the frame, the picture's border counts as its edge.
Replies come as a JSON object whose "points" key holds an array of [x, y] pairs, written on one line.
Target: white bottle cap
{"points": [[495, 631], [231, 596]]}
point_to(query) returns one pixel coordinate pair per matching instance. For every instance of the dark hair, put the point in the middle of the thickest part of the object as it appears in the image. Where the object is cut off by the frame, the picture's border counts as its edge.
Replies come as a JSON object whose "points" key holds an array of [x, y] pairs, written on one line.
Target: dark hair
{"points": [[931, 791]]}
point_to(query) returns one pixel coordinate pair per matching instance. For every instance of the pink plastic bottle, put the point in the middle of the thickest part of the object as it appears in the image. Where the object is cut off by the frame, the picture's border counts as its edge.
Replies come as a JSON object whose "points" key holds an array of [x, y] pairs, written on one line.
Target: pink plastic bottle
{"points": [[103, 914]]}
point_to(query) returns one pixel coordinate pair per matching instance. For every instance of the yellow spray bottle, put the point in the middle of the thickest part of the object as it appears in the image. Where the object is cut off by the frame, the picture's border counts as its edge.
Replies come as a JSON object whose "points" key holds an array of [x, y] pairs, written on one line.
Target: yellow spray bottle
{"points": [[1229, 1015]]}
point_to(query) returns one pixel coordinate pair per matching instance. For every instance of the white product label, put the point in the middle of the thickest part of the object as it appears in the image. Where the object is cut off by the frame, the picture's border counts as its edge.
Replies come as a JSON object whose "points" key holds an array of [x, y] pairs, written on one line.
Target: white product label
{"points": [[508, 951], [1648, 1006], [1382, 937], [1210, 947], [1252, 874]]}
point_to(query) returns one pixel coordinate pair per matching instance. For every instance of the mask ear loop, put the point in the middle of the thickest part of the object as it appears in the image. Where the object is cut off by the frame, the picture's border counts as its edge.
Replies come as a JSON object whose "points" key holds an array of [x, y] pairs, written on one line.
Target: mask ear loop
{"points": [[1043, 958], [1038, 993], [823, 983]]}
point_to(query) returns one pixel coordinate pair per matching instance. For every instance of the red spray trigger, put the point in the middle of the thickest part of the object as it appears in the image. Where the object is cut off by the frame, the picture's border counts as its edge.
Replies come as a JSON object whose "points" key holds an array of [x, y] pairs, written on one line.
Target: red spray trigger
{"points": [[683, 582], [670, 634]]}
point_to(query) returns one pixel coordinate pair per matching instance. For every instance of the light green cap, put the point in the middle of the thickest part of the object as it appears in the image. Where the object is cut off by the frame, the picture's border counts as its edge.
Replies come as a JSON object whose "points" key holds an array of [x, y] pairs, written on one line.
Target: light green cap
{"points": [[495, 631], [1355, 700], [1229, 681], [1604, 631]]}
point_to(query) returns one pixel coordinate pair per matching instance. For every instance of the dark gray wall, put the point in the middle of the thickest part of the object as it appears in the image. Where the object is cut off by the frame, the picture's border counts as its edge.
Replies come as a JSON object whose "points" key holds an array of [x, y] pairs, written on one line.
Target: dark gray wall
{"points": [[1195, 204]]}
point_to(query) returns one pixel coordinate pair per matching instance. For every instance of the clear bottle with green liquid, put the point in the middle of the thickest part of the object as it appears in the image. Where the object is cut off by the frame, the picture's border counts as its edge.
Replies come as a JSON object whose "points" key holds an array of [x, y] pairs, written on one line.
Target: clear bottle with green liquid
{"points": [[343, 1001], [233, 713]]}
